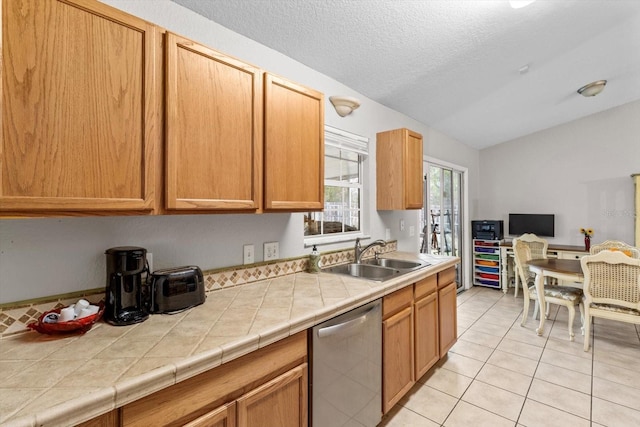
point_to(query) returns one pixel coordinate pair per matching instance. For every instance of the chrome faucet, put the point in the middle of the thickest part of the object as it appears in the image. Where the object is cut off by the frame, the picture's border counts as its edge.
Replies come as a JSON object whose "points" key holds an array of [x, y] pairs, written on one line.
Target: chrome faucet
{"points": [[359, 251]]}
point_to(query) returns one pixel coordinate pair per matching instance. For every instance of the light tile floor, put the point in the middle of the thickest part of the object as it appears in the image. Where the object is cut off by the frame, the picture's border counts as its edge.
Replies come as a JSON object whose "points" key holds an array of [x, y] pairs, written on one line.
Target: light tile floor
{"points": [[502, 374]]}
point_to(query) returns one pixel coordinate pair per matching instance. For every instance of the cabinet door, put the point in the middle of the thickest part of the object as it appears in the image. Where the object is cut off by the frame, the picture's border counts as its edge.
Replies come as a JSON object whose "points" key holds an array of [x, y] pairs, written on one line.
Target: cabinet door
{"points": [[447, 309], [397, 358], [413, 171], [110, 419], [213, 129], [426, 333], [280, 402], [293, 146], [79, 109], [224, 416], [399, 170]]}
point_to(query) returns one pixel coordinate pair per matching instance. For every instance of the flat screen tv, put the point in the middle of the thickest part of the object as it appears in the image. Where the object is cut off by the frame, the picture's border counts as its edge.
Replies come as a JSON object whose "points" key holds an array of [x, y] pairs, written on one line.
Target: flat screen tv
{"points": [[538, 224]]}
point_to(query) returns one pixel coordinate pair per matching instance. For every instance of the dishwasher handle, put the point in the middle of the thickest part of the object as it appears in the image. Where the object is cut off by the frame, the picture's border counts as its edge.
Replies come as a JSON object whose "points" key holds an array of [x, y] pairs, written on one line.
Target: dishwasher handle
{"points": [[344, 326]]}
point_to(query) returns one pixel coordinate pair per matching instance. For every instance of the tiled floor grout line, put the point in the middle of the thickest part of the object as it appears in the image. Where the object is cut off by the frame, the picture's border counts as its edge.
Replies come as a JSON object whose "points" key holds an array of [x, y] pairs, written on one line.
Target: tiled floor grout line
{"points": [[482, 310], [484, 363]]}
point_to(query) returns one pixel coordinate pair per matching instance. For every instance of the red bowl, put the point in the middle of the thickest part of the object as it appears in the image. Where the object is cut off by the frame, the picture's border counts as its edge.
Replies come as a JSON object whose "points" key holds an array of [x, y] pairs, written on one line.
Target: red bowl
{"points": [[80, 325]]}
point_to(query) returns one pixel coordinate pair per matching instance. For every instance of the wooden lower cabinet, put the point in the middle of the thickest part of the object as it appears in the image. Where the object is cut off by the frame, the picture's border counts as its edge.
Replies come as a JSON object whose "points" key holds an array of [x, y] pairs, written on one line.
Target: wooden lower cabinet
{"points": [[425, 314], [282, 401], [267, 384], [447, 310], [418, 328], [224, 416], [397, 357], [110, 419]]}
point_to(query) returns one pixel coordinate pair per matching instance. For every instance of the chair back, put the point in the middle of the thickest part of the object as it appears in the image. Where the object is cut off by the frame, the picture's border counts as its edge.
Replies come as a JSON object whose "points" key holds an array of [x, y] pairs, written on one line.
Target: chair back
{"points": [[612, 278], [521, 255], [537, 245], [616, 245]]}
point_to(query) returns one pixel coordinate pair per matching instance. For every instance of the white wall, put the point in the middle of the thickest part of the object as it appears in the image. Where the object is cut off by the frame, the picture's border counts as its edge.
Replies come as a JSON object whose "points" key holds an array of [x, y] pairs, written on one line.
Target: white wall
{"points": [[41, 257], [579, 171]]}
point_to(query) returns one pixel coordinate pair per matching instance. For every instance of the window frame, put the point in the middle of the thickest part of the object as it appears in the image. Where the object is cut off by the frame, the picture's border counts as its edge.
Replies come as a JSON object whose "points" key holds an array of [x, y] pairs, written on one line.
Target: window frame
{"points": [[359, 145]]}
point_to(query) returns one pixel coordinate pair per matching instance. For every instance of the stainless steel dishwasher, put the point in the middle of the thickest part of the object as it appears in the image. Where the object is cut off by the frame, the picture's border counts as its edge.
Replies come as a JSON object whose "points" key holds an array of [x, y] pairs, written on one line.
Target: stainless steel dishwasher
{"points": [[346, 364]]}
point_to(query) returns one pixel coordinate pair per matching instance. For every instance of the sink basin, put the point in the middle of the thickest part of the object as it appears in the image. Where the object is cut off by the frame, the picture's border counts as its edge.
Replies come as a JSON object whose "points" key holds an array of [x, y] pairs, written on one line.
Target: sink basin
{"points": [[396, 263], [365, 271], [377, 269]]}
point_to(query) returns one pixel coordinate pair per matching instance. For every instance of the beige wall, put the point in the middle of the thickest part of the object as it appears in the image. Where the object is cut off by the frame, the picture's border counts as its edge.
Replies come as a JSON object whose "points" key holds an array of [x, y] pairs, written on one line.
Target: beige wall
{"points": [[580, 171]]}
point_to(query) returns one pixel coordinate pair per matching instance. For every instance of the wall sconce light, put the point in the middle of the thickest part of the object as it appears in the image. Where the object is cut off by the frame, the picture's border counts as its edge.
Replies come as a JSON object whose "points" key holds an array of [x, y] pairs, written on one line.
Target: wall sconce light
{"points": [[344, 105], [592, 89]]}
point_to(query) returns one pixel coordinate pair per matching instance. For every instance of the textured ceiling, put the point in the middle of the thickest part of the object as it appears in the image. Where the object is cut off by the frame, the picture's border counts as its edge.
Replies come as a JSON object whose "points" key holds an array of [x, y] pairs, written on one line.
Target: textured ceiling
{"points": [[454, 65]]}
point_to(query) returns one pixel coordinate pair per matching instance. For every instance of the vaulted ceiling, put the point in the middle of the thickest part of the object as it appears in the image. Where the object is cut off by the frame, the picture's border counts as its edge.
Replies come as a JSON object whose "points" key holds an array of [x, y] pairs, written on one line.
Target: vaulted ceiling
{"points": [[479, 71]]}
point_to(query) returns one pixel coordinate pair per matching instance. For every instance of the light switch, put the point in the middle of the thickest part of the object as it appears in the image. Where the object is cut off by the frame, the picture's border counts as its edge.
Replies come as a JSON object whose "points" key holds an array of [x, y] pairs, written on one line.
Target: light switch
{"points": [[271, 251], [249, 254]]}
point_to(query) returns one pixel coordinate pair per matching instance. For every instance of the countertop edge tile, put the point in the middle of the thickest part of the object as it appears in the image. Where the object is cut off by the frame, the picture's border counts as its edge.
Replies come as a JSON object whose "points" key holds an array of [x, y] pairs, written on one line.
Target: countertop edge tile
{"points": [[198, 363], [302, 323], [275, 334], [238, 348], [80, 409], [145, 384]]}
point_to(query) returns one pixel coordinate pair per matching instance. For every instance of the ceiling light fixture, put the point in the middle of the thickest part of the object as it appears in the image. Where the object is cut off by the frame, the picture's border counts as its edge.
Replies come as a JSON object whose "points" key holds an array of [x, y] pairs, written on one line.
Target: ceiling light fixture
{"points": [[592, 89], [344, 105], [517, 4]]}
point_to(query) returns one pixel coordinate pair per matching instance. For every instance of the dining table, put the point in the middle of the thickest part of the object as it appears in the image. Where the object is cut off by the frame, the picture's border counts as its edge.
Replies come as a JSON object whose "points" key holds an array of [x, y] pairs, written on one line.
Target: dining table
{"points": [[562, 269]]}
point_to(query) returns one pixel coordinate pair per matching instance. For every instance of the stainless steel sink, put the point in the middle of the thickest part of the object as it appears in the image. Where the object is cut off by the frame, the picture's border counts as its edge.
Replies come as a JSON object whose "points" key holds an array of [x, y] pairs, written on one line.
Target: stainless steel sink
{"points": [[396, 263], [365, 271], [377, 269]]}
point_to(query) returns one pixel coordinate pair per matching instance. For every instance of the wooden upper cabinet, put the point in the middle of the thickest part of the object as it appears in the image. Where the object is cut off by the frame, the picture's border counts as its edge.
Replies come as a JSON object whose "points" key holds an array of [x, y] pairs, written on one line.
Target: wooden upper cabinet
{"points": [[79, 113], [399, 170], [213, 129], [293, 146]]}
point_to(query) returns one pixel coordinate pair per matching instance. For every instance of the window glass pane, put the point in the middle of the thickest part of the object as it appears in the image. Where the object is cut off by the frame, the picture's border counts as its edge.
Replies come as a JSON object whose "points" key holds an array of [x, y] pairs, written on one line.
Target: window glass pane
{"points": [[350, 171], [332, 195], [332, 166], [352, 220], [312, 223], [342, 194], [354, 198]]}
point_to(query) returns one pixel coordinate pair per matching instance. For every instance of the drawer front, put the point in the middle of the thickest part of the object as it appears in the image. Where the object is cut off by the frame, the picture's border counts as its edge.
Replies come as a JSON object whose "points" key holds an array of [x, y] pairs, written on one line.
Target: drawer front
{"points": [[447, 276], [425, 286], [396, 301]]}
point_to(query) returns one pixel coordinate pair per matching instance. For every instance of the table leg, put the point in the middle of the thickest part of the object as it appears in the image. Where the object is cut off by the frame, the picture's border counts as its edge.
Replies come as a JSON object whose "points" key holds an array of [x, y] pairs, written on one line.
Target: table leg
{"points": [[542, 304]]}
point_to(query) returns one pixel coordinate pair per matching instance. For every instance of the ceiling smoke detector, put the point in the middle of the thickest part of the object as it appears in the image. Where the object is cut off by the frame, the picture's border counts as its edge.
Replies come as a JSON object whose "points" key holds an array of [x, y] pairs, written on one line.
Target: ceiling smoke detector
{"points": [[592, 89]]}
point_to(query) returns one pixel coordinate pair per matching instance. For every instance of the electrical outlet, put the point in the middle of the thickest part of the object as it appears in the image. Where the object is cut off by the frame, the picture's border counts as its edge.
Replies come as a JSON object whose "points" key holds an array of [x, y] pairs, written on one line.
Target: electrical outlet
{"points": [[402, 225], [271, 251], [249, 254], [150, 261], [412, 231], [387, 234]]}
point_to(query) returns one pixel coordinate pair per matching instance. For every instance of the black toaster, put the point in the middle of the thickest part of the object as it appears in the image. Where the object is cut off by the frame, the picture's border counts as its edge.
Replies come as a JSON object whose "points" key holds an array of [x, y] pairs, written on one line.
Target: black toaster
{"points": [[175, 289]]}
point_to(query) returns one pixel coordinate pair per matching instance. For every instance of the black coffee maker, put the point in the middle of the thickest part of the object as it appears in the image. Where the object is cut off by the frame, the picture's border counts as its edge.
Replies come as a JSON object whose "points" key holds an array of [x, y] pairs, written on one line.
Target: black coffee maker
{"points": [[124, 291]]}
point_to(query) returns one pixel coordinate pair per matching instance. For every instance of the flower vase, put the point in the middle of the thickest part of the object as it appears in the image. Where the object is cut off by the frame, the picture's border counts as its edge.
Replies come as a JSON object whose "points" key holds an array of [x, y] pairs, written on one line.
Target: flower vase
{"points": [[587, 243]]}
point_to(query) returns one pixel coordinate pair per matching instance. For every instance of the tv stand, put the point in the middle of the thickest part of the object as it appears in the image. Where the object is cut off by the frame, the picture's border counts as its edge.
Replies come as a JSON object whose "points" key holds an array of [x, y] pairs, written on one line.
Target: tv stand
{"points": [[553, 251]]}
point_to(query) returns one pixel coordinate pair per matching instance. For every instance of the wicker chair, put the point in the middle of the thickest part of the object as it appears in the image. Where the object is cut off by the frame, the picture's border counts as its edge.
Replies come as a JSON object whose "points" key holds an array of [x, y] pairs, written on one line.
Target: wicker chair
{"points": [[561, 295], [616, 245], [611, 288], [538, 248]]}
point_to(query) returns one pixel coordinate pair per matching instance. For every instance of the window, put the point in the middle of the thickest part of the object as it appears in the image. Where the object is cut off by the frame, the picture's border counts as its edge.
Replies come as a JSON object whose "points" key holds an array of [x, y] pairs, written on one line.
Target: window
{"points": [[344, 154]]}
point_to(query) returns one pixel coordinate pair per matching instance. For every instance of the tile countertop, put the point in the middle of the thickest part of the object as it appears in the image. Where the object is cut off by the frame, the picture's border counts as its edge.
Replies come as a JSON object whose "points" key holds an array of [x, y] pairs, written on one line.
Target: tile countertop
{"points": [[63, 380]]}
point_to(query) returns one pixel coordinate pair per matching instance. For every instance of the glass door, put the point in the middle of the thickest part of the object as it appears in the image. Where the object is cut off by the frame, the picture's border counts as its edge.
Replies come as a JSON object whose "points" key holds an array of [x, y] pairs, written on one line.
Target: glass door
{"points": [[442, 214]]}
